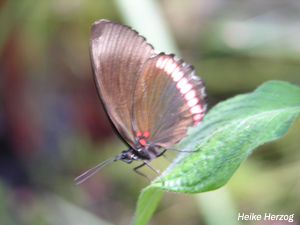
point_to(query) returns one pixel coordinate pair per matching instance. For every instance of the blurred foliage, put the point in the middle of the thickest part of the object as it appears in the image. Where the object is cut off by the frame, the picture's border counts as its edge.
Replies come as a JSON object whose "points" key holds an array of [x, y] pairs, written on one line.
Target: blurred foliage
{"points": [[53, 127]]}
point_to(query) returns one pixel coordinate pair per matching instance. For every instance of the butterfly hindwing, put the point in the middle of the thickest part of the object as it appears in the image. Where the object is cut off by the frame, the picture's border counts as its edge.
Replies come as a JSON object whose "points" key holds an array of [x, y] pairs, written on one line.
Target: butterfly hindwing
{"points": [[168, 98]]}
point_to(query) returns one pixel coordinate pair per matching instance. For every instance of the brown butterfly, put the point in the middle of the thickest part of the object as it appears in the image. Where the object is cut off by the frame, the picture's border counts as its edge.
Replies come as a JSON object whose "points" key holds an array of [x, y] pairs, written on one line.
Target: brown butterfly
{"points": [[150, 98]]}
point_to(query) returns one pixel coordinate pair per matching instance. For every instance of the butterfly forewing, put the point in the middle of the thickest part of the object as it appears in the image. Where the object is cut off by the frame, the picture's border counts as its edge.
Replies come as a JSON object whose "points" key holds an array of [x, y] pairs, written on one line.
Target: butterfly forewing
{"points": [[168, 98], [118, 54]]}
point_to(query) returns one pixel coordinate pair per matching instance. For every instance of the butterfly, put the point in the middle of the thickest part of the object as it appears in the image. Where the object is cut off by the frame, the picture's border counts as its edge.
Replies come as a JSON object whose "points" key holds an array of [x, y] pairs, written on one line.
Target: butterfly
{"points": [[151, 98]]}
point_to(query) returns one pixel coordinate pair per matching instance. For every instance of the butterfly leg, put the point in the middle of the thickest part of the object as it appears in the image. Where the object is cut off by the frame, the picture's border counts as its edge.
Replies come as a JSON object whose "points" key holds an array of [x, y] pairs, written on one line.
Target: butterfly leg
{"points": [[162, 154], [146, 163], [183, 150], [170, 160], [155, 172], [135, 170], [175, 149]]}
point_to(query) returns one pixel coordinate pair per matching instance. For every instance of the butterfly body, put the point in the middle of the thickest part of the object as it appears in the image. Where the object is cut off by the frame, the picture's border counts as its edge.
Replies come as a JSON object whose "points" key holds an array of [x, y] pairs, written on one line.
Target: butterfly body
{"points": [[145, 153]]}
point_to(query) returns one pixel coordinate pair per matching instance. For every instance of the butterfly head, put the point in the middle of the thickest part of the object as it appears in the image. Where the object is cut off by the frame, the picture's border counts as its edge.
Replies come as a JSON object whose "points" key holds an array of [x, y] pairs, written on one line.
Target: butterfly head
{"points": [[127, 156]]}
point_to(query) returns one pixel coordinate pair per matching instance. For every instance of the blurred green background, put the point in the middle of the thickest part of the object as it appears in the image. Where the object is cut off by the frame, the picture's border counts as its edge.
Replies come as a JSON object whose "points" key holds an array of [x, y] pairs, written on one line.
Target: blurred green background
{"points": [[53, 127]]}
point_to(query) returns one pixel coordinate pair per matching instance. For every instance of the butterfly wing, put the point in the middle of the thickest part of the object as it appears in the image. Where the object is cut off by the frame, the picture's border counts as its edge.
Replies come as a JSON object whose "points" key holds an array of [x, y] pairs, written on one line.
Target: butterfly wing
{"points": [[168, 98], [117, 55]]}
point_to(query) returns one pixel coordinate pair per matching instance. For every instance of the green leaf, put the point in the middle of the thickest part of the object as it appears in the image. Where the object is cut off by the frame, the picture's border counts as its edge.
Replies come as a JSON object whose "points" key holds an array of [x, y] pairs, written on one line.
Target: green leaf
{"points": [[147, 203], [225, 137]]}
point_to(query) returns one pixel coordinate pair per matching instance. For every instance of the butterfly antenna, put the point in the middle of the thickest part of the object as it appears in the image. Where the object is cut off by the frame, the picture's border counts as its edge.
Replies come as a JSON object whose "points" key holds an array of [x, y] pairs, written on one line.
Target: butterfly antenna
{"points": [[101, 165]]}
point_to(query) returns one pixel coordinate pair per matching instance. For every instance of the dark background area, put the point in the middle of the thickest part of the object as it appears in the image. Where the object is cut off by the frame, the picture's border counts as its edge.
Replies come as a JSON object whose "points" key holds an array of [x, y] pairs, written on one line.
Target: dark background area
{"points": [[53, 127]]}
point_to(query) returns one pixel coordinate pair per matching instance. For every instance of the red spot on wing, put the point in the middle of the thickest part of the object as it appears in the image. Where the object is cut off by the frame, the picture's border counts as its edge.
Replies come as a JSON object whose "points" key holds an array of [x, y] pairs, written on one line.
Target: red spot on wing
{"points": [[142, 141], [182, 83], [191, 94], [171, 68], [146, 134], [196, 109], [197, 117], [186, 88], [193, 102], [167, 66], [163, 63], [159, 61], [138, 134], [178, 76], [175, 71]]}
